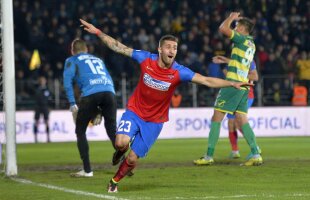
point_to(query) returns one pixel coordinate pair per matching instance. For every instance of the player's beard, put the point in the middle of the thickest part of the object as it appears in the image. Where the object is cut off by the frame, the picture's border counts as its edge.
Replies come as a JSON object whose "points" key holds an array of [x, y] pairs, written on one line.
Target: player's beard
{"points": [[167, 61]]}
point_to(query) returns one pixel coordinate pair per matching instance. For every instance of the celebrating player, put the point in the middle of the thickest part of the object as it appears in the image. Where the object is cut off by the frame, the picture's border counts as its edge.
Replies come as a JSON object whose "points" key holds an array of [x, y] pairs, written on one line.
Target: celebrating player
{"points": [[238, 68], [147, 108]]}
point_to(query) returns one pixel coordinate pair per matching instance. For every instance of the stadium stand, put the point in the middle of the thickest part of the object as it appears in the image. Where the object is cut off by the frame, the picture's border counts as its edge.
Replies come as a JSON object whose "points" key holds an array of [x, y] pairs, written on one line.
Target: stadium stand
{"points": [[282, 38]]}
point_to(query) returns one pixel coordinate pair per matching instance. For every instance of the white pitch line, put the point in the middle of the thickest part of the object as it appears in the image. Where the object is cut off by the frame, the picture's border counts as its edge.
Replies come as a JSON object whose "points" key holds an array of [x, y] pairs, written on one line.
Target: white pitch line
{"points": [[78, 192], [101, 196]]}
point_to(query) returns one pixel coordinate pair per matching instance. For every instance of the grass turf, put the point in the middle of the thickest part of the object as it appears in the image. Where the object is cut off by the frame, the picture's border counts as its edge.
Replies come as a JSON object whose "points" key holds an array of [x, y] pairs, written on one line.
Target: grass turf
{"points": [[166, 173]]}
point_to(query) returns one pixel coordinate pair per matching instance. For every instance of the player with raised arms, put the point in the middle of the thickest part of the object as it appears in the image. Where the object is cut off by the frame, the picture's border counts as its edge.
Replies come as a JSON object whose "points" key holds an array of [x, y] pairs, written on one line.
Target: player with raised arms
{"points": [[147, 108]]}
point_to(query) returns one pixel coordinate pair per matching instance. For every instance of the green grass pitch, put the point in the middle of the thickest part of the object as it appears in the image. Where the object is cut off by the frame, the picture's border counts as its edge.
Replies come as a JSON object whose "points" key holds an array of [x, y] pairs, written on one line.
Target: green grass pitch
{"points": [[166, 173]]}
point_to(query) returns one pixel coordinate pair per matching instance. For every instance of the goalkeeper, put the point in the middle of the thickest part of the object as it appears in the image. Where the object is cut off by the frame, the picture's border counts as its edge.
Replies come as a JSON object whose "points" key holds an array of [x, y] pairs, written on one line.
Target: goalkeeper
{"points": [[97, 98]]}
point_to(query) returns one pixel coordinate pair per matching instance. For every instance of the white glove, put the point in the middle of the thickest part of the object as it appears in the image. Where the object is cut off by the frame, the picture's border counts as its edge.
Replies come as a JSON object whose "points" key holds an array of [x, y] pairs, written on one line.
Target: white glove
{"points": [[97, 120], [74, 109]]}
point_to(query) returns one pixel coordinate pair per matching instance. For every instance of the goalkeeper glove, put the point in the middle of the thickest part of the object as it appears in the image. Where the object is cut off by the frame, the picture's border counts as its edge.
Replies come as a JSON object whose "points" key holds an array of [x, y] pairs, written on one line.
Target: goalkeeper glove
{"points": [[74, 110], [97, 120]]}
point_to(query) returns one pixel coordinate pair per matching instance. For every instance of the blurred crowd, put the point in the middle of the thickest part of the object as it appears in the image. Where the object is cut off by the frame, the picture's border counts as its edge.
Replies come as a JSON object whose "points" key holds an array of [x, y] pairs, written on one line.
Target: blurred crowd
{"points": [[282, 34]]}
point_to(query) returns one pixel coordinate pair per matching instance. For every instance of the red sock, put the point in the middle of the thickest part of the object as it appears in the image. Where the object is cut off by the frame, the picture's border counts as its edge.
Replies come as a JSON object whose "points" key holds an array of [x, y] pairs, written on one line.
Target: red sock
{"points": [[123, 169], [233, 137]]}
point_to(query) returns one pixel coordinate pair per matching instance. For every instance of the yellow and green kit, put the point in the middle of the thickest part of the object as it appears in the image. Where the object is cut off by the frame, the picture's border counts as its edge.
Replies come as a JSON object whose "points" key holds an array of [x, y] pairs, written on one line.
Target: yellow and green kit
{"points": [[230, 99]]}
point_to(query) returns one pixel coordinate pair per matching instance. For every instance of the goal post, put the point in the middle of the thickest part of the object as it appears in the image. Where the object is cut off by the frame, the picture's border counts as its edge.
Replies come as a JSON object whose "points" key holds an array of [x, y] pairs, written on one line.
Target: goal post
{"points": [[9, 101]]}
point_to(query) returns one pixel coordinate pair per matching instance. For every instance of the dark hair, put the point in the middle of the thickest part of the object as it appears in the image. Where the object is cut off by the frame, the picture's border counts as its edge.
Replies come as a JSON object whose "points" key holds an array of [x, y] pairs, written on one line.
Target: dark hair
{"points": [[247, 23], [79, 45], [168, 37]]}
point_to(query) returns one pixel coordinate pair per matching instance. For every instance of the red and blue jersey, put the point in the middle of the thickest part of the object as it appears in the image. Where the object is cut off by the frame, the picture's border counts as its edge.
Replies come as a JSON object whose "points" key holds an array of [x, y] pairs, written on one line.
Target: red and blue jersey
{"points": [[251, 92], [152, 96]]}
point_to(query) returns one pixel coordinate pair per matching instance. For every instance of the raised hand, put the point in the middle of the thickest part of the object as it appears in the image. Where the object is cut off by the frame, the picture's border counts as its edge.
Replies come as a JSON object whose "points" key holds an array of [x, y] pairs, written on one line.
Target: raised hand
{"points": [[89, 27], [235, 15], [110, 42]]}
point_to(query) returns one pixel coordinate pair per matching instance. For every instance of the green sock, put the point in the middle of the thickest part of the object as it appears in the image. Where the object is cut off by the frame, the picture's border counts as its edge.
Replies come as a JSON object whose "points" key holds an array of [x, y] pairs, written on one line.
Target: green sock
{"points": [[250, 137], [213, 137]]}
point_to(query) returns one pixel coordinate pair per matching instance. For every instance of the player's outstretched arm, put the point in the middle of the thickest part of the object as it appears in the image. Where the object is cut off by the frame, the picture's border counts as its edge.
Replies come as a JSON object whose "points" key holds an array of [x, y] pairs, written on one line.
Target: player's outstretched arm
{"points": [[217, 82], [220, 59], [225, 26], [110, 42]]}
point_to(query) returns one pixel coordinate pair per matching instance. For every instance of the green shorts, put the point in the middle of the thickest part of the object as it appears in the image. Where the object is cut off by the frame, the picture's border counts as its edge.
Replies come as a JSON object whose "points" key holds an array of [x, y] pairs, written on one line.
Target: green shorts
{"points": [[231, 100]]}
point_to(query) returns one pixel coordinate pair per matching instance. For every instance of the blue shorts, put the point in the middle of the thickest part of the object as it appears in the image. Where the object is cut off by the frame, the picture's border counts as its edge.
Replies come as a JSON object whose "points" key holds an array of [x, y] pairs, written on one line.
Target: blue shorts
{"points": [[250, 102], [142, 134]]}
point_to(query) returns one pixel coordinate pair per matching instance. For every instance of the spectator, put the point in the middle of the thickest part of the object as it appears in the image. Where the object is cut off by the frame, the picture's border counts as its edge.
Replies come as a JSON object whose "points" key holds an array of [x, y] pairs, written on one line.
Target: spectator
{"points": [[303, 65], [46, 26], [21, 88], [176, 99], [273, 66], [300, 95]]}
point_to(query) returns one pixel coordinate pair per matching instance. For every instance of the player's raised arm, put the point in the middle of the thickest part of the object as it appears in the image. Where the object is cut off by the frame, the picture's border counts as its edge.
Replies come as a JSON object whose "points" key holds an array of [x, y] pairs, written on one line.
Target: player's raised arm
{"points": [[225, 26], [107, 40], [217, 82]]}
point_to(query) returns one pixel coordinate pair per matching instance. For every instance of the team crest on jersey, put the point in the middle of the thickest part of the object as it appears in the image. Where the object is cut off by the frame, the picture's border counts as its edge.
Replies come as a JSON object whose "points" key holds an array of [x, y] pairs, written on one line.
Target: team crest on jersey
{"points": [[220, 103], [155, 84]]}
